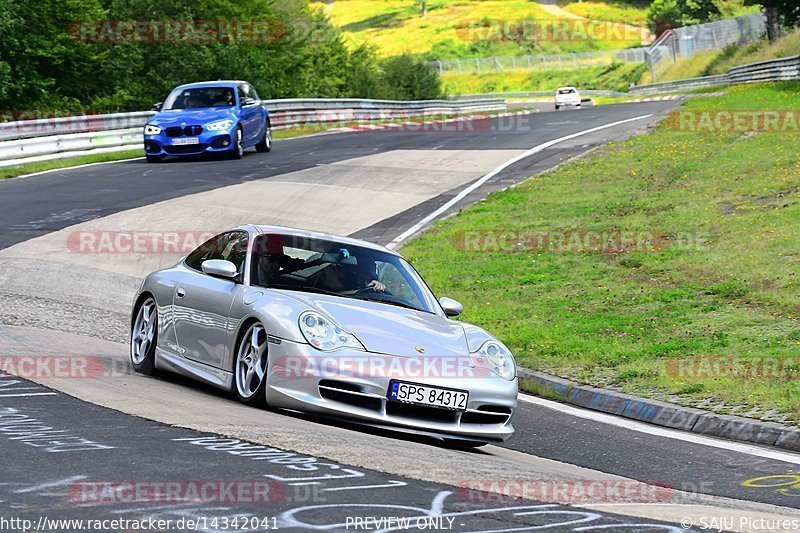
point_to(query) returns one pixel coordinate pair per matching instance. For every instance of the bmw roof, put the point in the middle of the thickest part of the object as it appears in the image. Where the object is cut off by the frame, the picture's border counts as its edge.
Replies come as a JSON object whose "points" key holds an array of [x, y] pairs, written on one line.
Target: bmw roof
{"points": [[216, 83]]}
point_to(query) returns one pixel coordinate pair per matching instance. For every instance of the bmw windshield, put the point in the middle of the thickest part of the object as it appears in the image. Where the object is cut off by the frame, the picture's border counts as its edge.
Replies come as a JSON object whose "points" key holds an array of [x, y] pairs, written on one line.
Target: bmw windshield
{"points": [[200, 97], [312, 265]]}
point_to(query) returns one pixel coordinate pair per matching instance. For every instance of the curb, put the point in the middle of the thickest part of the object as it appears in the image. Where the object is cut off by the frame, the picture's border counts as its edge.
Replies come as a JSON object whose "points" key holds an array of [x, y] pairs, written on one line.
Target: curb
{"points": [[664, 414]]}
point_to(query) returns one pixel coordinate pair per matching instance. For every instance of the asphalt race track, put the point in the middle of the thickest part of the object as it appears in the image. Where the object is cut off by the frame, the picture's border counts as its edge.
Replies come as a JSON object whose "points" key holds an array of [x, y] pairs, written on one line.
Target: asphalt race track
{"points": [[63, 440]]}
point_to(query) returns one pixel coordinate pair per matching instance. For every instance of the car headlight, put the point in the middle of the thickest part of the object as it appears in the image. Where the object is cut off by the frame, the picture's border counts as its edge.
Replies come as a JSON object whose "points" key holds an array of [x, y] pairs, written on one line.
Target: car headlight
{"points": [[499, 359], [220, 125], [325, 335], [152, 129]]}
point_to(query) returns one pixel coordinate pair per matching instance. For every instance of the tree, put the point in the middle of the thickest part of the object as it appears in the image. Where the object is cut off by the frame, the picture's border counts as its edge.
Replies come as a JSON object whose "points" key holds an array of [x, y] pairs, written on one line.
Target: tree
{"points": [[673, 13], [424, 7], [40, 60], [410, 78], [779, 13]]}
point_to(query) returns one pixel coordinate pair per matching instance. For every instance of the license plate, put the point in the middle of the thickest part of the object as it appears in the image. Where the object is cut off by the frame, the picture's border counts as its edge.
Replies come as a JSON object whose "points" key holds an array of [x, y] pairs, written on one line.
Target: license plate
{"points": [[188, 140], [424, 395]]}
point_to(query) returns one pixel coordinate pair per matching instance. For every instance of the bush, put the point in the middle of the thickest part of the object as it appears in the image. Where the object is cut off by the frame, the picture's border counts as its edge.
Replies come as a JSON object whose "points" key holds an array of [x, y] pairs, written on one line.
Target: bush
{"points": [[410, 78]]}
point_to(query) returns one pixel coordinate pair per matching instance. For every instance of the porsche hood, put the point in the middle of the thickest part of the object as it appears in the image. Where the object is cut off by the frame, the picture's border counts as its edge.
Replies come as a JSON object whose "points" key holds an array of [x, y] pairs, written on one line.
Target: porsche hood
{"points": [[389, 329]]}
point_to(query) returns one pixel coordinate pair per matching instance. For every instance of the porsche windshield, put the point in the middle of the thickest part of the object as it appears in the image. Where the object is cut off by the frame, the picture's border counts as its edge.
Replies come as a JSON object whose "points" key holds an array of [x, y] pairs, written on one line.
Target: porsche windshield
{"points": [[312, 265], [200, 97]]}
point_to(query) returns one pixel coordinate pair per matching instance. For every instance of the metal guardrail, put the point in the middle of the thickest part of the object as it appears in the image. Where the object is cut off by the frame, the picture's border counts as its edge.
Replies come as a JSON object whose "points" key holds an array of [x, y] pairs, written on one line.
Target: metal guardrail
{"points": [[783, 69], [51, 138], [539, 94], [540, 62]]}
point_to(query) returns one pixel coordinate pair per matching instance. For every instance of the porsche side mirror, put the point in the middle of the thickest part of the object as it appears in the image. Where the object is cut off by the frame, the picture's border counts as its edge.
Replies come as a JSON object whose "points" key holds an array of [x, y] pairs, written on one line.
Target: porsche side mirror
{"points": [[220, 268], [451, 307], [157, 107]]}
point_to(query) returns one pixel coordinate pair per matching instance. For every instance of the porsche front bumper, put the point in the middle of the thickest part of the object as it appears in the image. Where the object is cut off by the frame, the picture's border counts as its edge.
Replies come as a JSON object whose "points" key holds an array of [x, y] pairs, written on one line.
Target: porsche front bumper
{"points": [[297, 381]]}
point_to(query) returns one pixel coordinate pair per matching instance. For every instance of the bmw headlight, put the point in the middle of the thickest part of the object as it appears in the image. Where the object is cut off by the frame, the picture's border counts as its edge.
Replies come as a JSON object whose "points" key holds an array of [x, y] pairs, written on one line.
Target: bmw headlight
{"points": [[325, 335], [152, 129], [220, 125], [499, 359]]}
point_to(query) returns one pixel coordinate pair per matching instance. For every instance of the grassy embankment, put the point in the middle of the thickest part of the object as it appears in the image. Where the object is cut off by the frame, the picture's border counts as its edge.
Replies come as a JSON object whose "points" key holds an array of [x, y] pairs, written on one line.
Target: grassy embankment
{"points": [[718, 62], [616, 77], [397, 26], [725, 209]]}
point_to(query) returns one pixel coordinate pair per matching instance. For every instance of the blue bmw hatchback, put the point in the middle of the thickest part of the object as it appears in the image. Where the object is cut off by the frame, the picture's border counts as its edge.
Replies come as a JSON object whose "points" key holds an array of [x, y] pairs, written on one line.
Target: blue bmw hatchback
{"points": [[210, 116]]}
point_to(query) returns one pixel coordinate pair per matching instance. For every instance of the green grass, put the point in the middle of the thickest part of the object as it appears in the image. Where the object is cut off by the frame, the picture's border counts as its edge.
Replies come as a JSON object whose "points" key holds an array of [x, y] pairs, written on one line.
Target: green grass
{"points": [[615, 77], [396, 26], [628, 12], [724, 283], [30, 168]]}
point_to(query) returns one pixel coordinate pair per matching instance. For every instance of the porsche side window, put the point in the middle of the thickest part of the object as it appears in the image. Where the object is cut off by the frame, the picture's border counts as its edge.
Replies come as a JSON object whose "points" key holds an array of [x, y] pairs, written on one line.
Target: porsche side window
{"points": [[231, 247], [196, 258], [236, 251], [252, 90]]}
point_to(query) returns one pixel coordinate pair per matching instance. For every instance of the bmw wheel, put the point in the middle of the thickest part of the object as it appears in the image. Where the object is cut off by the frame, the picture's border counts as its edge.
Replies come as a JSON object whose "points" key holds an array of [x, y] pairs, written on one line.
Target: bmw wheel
{"points": [[250, 371], [265, 145], [238, 144], [144, 336]]}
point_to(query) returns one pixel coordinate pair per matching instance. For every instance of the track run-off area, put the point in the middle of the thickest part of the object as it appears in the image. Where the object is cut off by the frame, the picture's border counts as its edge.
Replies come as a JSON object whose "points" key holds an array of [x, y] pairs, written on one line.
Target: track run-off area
{"points": [[66, 284]]}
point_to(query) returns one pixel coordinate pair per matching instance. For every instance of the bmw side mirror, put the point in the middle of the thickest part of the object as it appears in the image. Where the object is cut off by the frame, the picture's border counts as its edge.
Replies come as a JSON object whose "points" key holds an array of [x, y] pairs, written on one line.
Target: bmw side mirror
{"points": [[220, 268], [451, 307], [157, 107]]}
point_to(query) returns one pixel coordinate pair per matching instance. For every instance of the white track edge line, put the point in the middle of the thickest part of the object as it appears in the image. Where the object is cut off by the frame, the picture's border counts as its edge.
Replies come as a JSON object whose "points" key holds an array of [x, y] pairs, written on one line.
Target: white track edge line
{"points": [[659, 431], [486, 177]]}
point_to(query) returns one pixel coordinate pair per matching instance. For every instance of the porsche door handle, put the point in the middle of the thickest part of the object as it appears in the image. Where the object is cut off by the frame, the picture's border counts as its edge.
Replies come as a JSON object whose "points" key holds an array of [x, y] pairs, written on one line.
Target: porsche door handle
{"points": [[180, 293]]}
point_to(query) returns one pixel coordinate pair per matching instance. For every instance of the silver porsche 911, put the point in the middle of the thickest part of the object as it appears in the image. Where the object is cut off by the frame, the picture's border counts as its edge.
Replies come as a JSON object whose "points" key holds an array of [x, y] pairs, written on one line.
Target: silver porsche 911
{"points": [[328, 325]]}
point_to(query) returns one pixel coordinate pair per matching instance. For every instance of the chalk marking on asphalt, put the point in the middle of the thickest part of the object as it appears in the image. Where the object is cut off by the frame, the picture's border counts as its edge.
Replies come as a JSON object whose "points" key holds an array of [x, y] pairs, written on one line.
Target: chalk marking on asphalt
{"points": [[658, 431], [28, 394], [50, 485], [460, 196], [358, 487]]}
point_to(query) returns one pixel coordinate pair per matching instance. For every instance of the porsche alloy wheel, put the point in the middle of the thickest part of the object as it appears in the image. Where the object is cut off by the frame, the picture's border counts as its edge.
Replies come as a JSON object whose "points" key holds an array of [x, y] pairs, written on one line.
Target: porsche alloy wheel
{"points": [[251, 365], [144, 335]]}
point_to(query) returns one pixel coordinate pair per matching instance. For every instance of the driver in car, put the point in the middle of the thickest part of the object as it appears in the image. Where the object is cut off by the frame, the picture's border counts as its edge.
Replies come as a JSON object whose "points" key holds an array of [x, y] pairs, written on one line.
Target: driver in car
{"points": [[273, 262], [349, 278]]}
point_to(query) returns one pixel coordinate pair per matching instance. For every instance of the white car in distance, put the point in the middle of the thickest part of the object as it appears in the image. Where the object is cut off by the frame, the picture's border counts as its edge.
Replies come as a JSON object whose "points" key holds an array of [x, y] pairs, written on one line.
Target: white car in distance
{"points": [[567, 96]]}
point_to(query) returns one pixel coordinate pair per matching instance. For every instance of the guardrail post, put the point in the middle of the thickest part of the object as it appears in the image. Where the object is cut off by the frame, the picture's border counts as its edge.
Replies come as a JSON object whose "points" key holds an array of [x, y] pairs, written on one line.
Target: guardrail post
{"points": [[649, 56]]}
